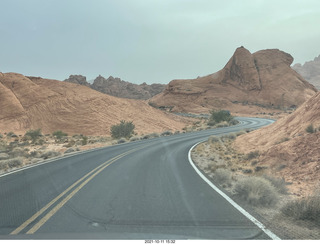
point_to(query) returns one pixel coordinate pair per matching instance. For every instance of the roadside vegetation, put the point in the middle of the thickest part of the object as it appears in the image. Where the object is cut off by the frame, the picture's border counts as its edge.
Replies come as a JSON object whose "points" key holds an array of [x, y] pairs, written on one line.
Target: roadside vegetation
{"points": [[256, 186], [122, 130], [220, 116]]}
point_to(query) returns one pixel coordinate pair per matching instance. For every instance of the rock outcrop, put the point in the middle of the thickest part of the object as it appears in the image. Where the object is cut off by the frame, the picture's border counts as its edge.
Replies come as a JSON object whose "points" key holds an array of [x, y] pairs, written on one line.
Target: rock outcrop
{"points": [[32, 103], [287, 149], [310, 71], [78, 79], [119, 88], [262, 79]]}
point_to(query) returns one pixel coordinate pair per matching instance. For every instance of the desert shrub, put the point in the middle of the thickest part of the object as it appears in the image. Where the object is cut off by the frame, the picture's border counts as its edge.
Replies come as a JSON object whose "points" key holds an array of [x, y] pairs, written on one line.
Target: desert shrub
{"points": [[260, 168], [4, 156], [124, 129], [71, 143], [11, 163], [135, 138], [256, 191], [219, 116], [84, 140], [49, 154], [304, 209], [33, 134], [59, 134], [166, 133], [223, 176], [242, 132], [223, 124], [18, 152], [154, 135], [231, 136], [278, 183], [149, 136], [34, 154], [247, 171], [254, 162], [233, 122], [69, 150], [310, 129], [11, 134], [121, 140], [213, 139], [252, 155]]}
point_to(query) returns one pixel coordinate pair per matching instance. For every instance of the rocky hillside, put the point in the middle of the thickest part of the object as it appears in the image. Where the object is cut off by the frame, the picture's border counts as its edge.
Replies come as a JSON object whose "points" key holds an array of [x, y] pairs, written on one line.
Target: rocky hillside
{"points": [[310, 71], [262, 80], [32, 103], [289, 148], [119, 88], [78, 79]]}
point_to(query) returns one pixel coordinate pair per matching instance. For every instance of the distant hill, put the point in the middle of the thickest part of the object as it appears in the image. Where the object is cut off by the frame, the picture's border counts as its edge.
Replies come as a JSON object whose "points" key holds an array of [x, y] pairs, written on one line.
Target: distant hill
{"points": [[119, 88], [248, 81], [32, 103], [310, 71]]}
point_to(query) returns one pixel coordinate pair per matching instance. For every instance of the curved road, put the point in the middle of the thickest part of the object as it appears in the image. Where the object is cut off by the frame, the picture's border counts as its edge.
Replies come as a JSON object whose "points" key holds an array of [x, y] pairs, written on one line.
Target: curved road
{"points": [[139, 190]]}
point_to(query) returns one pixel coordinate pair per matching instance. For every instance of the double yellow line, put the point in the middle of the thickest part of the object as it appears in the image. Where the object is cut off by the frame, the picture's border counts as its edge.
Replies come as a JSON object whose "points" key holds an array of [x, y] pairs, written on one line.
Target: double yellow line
{"points": [[85, 179]]}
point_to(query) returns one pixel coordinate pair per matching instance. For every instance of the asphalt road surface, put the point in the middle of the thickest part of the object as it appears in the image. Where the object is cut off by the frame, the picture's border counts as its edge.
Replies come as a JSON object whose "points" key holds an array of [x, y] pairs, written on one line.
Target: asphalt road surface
{"points": [[139, 190]]}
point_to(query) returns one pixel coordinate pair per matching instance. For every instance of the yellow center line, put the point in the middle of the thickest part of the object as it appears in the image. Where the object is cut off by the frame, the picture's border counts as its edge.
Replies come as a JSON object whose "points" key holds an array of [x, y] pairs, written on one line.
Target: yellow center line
{"points": [[64, 201], [101, 167]]}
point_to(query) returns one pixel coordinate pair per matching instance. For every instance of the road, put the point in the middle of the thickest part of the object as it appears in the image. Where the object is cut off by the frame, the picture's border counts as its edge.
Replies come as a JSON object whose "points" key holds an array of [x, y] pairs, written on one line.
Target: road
{"points": [[139, 190]]}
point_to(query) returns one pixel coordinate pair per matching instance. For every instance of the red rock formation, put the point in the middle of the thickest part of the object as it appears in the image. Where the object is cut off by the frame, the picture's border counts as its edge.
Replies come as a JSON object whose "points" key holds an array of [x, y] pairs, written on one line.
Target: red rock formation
{"points": [[262, 79], [32, 103]]}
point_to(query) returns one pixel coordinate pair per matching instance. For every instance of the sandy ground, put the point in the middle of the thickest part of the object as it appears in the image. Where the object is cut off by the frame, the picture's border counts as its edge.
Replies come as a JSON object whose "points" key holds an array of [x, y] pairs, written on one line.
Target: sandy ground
{"points": [[210, 156]]}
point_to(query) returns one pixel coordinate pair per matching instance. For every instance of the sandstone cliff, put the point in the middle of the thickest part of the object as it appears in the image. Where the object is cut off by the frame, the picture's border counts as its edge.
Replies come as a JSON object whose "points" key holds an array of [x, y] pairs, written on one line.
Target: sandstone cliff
{"points": [[287, 149], [263, 79], [32, 103]]}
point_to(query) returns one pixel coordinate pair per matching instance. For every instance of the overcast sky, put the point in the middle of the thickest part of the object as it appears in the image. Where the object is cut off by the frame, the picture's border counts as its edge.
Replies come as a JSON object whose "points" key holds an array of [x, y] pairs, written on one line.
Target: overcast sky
{"points": [[152, 41]]}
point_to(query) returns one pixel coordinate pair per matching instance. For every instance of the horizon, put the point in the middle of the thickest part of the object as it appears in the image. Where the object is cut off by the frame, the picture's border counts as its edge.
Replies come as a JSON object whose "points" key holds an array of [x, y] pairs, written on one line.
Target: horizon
{"points": [[149, 42]]}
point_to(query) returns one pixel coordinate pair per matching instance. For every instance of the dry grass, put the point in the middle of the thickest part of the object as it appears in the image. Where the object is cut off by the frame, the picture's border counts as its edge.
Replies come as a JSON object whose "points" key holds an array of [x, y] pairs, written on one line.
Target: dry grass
{"points": [[304, 209], [256, 191], [254, 183]]}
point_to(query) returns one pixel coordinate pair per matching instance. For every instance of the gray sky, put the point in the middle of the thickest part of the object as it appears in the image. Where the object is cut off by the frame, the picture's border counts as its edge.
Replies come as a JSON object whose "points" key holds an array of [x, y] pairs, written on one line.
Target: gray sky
{"points": [[152, 41]]}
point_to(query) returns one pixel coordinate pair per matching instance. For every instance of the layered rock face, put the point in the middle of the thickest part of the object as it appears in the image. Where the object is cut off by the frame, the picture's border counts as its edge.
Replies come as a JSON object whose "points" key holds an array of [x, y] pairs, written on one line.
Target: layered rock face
{"points": [[119, 88], [262, 79], [310, 71], [287, 145], [32, 103]]}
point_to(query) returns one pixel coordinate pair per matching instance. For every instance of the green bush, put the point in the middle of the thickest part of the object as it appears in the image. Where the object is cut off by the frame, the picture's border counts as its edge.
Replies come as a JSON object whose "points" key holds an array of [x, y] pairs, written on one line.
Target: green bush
{"points": [[84, 140], [252, 155], [124, 129], [310, 129], [33, 134], [166, 133], [256, 191], [219, 116], [59, 134]]}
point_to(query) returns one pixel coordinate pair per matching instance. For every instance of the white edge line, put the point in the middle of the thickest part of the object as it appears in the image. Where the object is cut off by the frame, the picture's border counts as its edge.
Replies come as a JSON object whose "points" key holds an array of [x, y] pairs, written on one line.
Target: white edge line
{"points": [[233, 203]]}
